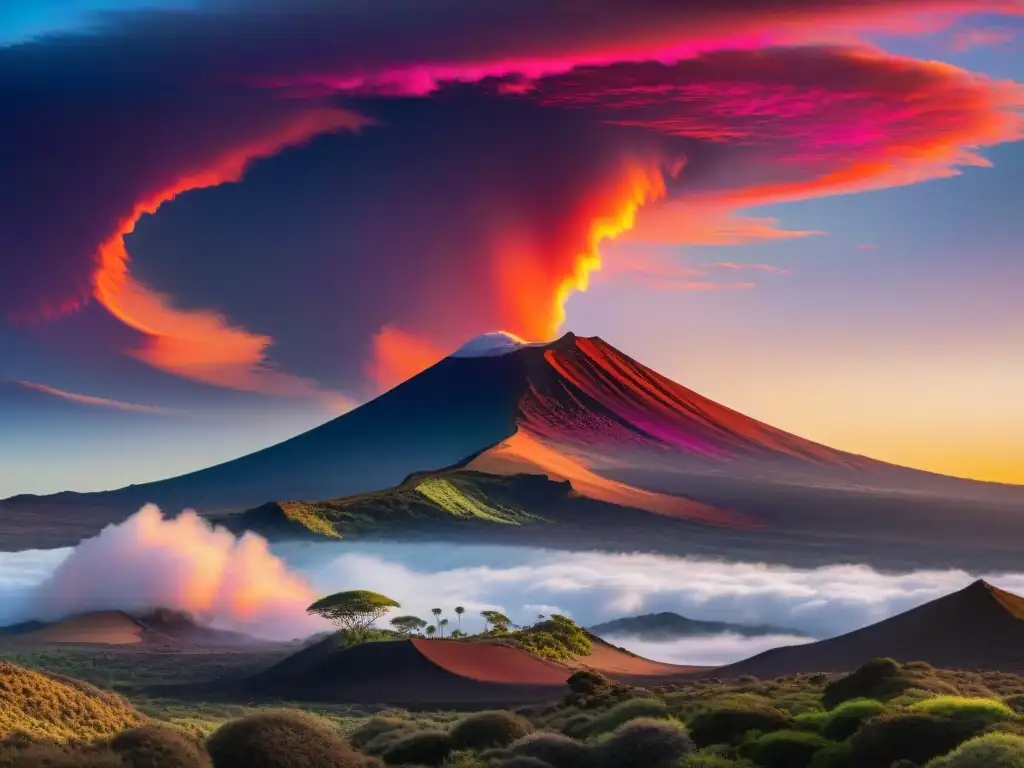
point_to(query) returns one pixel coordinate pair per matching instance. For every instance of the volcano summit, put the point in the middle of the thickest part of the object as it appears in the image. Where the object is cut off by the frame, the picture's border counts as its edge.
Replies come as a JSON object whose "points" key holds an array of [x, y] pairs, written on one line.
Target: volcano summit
{"points": [[568, 443]]}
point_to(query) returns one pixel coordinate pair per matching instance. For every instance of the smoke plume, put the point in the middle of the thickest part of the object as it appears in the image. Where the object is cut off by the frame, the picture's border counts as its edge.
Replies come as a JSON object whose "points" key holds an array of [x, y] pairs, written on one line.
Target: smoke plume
{"points": [[150, 561]]}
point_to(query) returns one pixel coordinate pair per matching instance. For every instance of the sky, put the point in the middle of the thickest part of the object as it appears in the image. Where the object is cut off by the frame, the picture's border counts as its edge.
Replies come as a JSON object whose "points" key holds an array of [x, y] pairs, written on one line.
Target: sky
{"points": [[225, 222]]}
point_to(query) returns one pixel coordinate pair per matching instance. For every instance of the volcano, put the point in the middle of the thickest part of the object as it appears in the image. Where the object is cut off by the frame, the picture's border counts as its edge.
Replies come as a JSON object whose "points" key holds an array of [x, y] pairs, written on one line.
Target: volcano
{"points": [[577, 433], [979, 627]]}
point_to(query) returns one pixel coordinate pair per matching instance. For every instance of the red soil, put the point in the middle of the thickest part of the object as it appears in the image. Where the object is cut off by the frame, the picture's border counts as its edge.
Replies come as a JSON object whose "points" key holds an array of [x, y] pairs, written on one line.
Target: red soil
{"points": [[491, 663], [610, 661], [101, 628]]}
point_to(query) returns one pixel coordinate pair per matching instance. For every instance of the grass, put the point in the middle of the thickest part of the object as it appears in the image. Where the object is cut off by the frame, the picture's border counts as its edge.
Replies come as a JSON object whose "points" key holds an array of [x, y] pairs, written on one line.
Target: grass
{"points": [[453, 496]]}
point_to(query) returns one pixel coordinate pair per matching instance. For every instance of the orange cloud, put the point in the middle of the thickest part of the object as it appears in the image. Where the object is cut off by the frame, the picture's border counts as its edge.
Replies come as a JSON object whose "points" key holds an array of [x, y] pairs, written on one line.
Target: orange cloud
{"points": [[533, 292], [100, 402], [398, 355], [200, 344]]}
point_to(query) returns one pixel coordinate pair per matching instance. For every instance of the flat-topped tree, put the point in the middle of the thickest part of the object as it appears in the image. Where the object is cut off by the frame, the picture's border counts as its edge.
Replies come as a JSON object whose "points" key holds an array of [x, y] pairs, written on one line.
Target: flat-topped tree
{"points": [[353, 611], [408, 625]]}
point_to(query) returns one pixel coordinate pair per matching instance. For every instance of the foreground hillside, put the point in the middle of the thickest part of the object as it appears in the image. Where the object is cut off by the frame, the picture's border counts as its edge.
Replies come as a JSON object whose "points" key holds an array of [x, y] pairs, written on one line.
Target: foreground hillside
{"points": [[883, 714]]}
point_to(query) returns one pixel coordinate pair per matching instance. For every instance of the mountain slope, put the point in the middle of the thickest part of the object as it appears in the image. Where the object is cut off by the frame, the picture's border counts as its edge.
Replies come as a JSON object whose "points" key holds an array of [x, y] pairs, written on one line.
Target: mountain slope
{"points": [[672, 626], [576, 410], [979, 627]]}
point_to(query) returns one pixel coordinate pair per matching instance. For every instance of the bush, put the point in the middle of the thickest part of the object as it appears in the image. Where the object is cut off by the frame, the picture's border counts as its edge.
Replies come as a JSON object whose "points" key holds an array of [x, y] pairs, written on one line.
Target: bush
{"points": [[419, 748], [374, 727], [1015, 702], [985, 711], [273, 738], [521, 761], [916, 737], [995, 750], [27, 754], [646, 743], [554, 749], [834, 756], [623, 712], [154, 746], [884, 679], [844, 720], [706, 759], [59, 709], [785, 749], [489, 729], [728, 726], [588, 683]]}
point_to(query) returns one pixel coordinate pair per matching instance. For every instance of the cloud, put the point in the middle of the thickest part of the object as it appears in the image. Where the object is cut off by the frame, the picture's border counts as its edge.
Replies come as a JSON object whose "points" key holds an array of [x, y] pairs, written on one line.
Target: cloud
{"points": [[593, 587], [756, 267], [398, 355], [980, 37], [709, 651], [236, 583], [497, 149], [150, 562], [100, 402]]}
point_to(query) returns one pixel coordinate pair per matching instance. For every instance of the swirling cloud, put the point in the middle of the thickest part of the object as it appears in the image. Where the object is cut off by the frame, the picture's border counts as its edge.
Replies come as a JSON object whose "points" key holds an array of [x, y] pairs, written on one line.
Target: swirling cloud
{"points": [[497, 148]]}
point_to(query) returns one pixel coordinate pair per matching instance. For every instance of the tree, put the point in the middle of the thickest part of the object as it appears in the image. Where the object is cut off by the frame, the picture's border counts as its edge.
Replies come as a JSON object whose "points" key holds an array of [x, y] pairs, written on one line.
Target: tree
{"points": [[459, 610], [496, 619], [430, 630], [408, 625], [442, 624], [353, 611]]}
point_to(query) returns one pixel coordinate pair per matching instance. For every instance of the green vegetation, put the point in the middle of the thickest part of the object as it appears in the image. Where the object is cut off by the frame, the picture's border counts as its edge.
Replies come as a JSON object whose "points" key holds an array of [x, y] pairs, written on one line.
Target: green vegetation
{"points": [[489, 729], [599, 723], [274, 739], [451, 496], [995, 750], [47, 708], [354, 611]]}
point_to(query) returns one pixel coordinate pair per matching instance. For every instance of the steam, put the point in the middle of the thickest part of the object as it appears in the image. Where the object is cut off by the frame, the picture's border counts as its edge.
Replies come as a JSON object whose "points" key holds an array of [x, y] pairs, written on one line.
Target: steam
{"points": [[149, 562]]}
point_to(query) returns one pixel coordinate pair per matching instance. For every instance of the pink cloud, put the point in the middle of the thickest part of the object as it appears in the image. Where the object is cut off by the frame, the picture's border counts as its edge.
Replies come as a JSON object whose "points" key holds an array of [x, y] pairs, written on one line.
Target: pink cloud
{"points": [[99, 402]]}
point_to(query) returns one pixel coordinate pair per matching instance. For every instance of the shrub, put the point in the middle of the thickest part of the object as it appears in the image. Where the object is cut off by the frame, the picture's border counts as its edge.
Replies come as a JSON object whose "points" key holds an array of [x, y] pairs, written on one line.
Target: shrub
{"points": [[884, 679], [623, 712], [273, 738], [419, 748], [916, 737], [728, 726], [59, 710], [959, 708], [844, 720], [154, 746], [555, 750], [706, 759], [588, 683], [521, 761], [814, 722], [374, 727], [785, 749], [646, 743], [1015, 702], [489, 729], [995, 750], [834, 756], [14, 754]]}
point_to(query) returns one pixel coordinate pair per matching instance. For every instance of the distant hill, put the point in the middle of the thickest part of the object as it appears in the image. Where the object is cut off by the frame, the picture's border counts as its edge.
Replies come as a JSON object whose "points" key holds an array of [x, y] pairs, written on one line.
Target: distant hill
{"points": [[672, 626], [979, 627], [161, 627]]}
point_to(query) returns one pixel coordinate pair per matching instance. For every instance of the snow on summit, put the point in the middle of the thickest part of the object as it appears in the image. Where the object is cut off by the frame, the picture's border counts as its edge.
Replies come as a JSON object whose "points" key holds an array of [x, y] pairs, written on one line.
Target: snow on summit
{"points": [[491, 345]]}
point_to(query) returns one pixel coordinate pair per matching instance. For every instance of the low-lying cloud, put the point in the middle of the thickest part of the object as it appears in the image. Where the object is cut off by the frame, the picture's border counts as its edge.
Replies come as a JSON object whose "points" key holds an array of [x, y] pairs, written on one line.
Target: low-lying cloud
{"points": [[149, 562], [708, 651], [242, 583]]}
